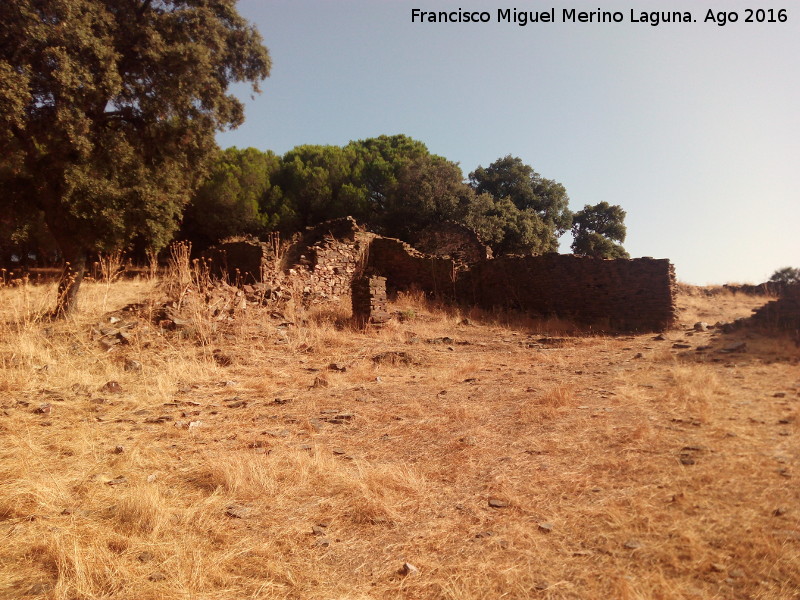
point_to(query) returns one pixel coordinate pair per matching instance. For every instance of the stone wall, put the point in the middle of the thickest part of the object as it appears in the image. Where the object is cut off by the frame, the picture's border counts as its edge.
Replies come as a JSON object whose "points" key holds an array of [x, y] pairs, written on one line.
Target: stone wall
{"points": [[240, 262], [408, 269], [369, 300], [325, 259], [768, 288], [621, 294], [782, 314], [323, 262], [452, 240]]}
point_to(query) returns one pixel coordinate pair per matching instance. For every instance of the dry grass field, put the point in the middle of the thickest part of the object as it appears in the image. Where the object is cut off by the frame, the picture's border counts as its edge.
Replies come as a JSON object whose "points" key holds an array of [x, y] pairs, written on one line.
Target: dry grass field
{"points": [[444, 456]]}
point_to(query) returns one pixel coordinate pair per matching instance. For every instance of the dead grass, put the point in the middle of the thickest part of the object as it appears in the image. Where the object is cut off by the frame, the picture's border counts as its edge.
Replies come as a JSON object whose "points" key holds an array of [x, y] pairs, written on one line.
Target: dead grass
{"points": [[302, 468]]}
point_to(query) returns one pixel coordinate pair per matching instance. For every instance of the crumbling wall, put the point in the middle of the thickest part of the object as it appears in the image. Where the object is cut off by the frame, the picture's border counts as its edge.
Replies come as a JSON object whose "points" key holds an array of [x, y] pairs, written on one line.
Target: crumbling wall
{"points": [[369, 300], [324, 260], [768, 288], [408, 269], [782, 314], [239, 262], [452, 240], [618, 294]]}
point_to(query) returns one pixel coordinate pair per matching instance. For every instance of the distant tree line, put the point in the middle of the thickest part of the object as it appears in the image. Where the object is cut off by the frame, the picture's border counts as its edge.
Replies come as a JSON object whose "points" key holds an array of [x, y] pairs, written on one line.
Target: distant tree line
{"points": [[395, 186]]}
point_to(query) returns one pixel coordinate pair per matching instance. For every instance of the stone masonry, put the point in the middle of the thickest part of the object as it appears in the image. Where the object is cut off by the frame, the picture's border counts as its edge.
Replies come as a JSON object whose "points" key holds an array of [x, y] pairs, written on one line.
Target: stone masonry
{"points": [[369, 300], [330, 260], [452, 240]]}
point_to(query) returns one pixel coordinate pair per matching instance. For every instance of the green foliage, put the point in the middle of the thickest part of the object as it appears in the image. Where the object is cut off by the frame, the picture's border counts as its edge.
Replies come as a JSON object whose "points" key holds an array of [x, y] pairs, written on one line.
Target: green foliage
{"points": [[537, 198], [787, 275], [506, 228], [596, 229], [108, 110], [236, 197], [391, 184], [321, 183]]}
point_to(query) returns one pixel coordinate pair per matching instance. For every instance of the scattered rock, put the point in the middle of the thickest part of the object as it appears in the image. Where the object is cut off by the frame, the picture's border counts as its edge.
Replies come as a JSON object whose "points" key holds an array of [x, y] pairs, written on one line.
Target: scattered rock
{"points": [[633, 544], [132, 365], [323, 542], [157, 576], [660, 337], [44, 409], [40, 588], [119, 449], [337, 367], [318, 530], [717, 568], [681, 346], [223, 360], [739, 347], [408, 569], [393, 358], [238, 511], [545, 527], [111, 387], [117, 480], [701, 326], [498, 503], [145, 556], [320, 382]]}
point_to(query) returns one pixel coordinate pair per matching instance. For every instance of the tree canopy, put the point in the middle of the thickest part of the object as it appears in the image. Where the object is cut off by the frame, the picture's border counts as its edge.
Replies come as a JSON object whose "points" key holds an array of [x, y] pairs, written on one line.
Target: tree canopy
{"points": [[786, 275], [108, 110], [597, 229], [236, 198], [395, 186], [544, 203]]}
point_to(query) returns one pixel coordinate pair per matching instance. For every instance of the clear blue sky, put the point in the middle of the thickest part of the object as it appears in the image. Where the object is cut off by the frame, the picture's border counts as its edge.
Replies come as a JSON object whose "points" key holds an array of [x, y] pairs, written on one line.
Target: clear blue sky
{"points": [[693, 128]]}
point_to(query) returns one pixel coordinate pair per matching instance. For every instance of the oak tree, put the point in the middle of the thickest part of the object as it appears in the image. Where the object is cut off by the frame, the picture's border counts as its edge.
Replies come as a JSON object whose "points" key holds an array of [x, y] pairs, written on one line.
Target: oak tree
{"points": [[108, 110], [599, 231], [539, 199]]}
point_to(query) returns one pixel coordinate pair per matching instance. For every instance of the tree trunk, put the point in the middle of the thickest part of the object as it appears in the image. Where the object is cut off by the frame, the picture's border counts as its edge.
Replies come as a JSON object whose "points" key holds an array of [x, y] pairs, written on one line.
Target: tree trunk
{"points": [[71, 278]]}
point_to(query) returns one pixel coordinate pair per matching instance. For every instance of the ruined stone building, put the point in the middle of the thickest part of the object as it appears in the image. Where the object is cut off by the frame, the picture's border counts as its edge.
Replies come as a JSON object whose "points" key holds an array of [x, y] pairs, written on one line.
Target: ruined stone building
{"points": [[336, 259]]}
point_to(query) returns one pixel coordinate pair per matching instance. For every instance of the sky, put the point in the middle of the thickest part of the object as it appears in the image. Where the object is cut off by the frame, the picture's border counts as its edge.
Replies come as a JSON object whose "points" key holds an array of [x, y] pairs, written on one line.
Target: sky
{"points": [[693, 128]]}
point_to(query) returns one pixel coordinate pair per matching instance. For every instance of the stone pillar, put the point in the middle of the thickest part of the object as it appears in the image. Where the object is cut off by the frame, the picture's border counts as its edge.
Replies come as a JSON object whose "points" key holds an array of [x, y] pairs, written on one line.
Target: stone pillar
{"points": [[369, 300]]}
